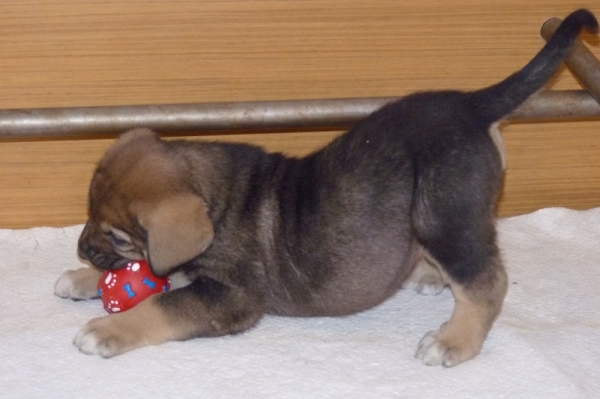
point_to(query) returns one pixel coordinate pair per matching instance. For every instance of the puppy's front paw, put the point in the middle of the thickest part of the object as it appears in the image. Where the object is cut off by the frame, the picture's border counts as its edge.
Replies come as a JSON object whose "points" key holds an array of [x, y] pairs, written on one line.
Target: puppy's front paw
{"points": [[107, 336], [78, 284], [145, 324], [441, 347]]}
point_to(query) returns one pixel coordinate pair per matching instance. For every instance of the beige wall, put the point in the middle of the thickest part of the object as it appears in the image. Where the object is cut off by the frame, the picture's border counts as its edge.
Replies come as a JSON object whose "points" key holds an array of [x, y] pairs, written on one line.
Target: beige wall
{"points": [[82, 53]]}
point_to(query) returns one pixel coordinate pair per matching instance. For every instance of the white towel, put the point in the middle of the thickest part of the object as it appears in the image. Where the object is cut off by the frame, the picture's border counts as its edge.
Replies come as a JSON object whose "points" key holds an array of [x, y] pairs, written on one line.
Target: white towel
{"points": [[546, 343]]}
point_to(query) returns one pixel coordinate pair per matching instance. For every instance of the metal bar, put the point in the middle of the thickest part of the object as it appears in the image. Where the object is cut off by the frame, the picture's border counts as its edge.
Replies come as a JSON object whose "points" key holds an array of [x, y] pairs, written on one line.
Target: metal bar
{"points": [[557, 105], [582, 62], [210, 117], [251, 116]]}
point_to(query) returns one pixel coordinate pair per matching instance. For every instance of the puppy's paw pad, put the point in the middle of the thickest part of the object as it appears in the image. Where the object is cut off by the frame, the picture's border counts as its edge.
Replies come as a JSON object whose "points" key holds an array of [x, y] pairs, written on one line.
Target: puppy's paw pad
{"points": [[77, 284]]}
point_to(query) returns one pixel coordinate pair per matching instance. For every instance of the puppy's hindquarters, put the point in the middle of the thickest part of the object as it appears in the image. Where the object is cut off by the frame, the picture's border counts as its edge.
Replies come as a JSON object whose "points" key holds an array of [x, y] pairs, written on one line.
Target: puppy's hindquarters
{"points": [[455, 198], [453, 219]]}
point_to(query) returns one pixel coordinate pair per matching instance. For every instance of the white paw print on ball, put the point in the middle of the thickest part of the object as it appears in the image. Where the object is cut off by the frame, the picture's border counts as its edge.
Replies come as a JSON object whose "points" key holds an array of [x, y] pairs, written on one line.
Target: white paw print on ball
{"points": [[134, 267], [114, 306], [110, 280]]}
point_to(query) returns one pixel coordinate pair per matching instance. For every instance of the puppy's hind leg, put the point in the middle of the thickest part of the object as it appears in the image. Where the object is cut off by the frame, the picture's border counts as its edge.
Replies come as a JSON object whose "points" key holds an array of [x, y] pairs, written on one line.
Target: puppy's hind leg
{"points": [[456, 228], [477, 305], [426, 279]]}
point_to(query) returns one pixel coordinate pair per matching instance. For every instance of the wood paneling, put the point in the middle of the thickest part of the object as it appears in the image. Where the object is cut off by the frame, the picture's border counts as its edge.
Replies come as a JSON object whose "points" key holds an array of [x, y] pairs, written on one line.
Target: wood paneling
{"points": [[80, 53]]}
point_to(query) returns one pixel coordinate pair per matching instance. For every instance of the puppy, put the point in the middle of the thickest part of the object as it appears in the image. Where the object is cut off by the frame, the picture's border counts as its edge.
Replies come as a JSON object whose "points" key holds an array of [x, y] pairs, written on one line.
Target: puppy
{"points": [[330, 234]]}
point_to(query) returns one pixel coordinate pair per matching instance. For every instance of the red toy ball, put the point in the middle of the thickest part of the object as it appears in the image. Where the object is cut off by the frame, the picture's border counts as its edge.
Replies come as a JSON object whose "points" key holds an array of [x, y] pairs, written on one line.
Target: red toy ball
{"points": [[122, 289]]}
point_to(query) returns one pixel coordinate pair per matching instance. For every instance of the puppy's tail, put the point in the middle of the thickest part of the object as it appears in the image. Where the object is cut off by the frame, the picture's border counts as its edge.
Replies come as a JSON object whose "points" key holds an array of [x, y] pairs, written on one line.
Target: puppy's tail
{"points": [[502, 98]]}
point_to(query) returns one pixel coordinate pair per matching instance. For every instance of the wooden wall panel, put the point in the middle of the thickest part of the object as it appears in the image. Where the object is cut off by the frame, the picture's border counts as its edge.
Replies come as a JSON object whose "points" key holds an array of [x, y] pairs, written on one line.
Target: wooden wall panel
{"points": [[57, 53]]}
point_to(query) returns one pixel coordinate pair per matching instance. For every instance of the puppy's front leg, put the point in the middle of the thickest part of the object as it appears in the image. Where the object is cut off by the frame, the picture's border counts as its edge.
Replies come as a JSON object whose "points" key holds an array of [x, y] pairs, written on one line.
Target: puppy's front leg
{"points": [[78, 284], [202, 309]]}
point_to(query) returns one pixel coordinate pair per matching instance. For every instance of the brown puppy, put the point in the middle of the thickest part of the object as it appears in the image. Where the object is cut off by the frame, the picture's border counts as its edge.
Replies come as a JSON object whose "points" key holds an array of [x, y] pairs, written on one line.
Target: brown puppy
{"points": [[333, 233]]}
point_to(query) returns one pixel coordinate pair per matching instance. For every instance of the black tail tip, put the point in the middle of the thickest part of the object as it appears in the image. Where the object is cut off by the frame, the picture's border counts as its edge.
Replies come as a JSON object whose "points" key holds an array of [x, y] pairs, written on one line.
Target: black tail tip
{"points": [[582, 18]]}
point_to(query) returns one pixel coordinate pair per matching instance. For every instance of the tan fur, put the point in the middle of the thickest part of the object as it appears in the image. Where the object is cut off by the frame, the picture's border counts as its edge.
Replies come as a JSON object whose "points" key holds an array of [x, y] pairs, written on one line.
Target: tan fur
{"points": [[476, 308], [152, 193], [145, 324], [178, 230]]}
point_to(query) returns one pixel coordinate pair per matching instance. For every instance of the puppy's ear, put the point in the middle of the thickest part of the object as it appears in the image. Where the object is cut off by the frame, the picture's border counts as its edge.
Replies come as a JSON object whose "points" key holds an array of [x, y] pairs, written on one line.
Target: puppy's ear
{"points": [[179, 229], [137, 134]]}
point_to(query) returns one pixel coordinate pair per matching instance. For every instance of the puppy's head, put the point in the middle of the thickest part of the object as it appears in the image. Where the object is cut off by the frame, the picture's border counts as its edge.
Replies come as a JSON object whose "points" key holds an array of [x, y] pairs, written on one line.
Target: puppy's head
{"points": [[142, 206]]}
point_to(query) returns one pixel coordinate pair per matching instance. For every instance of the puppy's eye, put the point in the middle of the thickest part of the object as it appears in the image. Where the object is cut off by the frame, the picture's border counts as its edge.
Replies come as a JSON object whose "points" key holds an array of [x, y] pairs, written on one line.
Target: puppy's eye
{"points": [[119, 242]]}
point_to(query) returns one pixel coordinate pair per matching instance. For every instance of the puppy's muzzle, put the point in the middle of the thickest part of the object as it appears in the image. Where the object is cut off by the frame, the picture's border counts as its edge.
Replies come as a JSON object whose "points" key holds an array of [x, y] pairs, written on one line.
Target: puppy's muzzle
{"points": [[86, 251], [98, 258]]}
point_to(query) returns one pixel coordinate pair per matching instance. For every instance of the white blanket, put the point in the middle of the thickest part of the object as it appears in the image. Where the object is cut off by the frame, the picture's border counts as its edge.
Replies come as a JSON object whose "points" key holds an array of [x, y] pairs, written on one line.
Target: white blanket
{"points": [[546, 343]]}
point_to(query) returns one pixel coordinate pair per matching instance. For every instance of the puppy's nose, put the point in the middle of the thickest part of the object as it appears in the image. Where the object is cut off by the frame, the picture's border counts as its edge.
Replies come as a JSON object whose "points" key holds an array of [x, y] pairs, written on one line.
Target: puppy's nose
{"points": [[85, 250]]}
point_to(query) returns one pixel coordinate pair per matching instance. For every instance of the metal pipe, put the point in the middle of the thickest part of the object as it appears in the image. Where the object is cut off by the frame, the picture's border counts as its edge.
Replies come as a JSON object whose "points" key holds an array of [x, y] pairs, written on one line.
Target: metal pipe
{"points": [[251, 116], [557, 105], [582, 62], [210, 117]]}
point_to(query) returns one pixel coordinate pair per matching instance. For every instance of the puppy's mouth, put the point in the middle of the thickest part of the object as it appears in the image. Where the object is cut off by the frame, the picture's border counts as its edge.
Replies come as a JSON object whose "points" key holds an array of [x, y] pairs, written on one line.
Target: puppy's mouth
{"points": [[104, 261], [109, 248]]}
